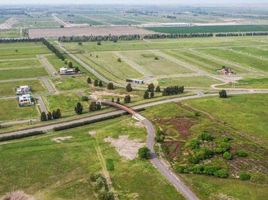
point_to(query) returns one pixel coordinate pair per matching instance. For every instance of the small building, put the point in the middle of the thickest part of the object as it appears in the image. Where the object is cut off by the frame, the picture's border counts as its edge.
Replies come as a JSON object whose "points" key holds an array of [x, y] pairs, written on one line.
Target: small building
{"points": [[66, 71], [135, 81], [26, 100], [226, 71], [25, 89]]}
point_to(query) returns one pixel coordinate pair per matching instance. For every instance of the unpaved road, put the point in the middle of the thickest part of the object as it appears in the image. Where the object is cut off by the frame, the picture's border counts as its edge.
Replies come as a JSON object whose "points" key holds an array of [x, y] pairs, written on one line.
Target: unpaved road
{"points": [[46, 64]]}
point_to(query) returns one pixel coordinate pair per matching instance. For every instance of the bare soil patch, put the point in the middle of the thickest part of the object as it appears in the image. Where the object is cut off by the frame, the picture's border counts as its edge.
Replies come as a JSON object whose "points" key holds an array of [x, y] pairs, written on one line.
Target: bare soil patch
{"points": [[88, 31], [17, 195], [125, 147], [61, 139]]}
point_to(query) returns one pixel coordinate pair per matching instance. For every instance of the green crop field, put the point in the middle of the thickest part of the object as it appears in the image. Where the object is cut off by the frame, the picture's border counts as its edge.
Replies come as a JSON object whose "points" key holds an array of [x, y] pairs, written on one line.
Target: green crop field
{"points": [[211, 29], [65, 168], [22, 73], [8, 88], [10, 111], [71, 83]]}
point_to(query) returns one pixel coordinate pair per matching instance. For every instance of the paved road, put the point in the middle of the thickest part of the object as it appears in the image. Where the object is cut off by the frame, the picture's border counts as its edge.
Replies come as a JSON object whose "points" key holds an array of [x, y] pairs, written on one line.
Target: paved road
{"points": [[41, 104]]}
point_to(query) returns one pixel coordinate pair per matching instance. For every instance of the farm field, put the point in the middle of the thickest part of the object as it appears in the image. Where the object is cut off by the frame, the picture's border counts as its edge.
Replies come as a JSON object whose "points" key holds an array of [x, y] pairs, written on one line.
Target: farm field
{"points": [[210, 29], [22, 73], [10, 111], [14, 33], [23, 63], [77, 159], [242, 119], [8, 88], [71, 83]]}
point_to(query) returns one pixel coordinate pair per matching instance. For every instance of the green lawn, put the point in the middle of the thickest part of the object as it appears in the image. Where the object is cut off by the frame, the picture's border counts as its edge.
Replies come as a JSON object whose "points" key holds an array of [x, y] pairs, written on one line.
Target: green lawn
{"points": [[159, 66], [198, 81], [9, 88], [65, 168], [65, 102], [71, 83], [259, 83], [20, 63], [108, 65], [10, 111], [22, 73], [242, 60]]}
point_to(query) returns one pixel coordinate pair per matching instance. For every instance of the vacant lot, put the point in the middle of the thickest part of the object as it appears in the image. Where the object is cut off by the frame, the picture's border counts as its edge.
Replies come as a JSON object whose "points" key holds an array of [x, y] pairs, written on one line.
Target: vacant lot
{"points": [[9, 88], [10, 111], [22, 73], [24, 63]]}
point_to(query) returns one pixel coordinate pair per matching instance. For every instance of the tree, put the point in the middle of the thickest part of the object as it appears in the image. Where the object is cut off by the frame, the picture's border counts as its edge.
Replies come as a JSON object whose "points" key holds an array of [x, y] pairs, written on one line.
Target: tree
{"points": [[158, 89], [99, 43], [151, 87], [119, 60], [146, 95], [227, 155], [242, 153], [98, 106], [118, 100], [152, 95], [110, 86], [127, 99], [58, 113], [93, 106], [43, 117], [160, 137], [70, 64], [100, 84], [77, 69], [144, 153], [80, 43], [54, 114], [89, 81], [49, 116], [96, 83], [79, 108], [223, 94], [129, 88]]}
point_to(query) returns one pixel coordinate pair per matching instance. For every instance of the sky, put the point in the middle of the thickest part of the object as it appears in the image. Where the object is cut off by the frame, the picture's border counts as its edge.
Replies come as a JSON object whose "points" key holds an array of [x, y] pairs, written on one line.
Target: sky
{"points": [[131, 1]]}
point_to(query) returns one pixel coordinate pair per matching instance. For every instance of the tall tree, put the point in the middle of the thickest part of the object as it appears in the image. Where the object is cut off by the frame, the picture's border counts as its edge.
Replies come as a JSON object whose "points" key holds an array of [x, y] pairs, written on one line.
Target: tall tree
{"points": [[146, 95], [127, 99], [129, 88], [158, 89], [100, 84], [223, 94], [96, 83], [79, 108], [110, 86], [43, 117], [89, 81], [70, 64], [151, 87]]}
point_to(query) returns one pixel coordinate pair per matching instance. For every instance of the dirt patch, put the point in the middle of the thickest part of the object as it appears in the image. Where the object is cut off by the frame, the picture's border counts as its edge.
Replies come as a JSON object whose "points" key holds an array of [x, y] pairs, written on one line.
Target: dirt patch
{"points": [[183, 125], [125, 147], [61, 139], [88, 31], [17, 195], [92, 133]]}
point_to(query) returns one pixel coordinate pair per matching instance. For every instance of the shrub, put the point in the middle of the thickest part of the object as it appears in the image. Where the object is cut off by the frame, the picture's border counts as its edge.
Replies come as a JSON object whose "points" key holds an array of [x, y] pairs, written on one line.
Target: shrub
{"points": [[144, 153], [198, 169], [158, 89], [106, 195], [89, 81], [110, 86], [223, 94], [84, 98], [110, 164], [204, 153], [242, 153], [129, 88], [160, 137], [244, 176], [146, 95], [223, 147], [194, 159], [49, 116], [181, 169], [43, 117], [194, 144], [79, 108], [206, 136], [127, 99], [210, 169], [227, 155], [222, 173]]}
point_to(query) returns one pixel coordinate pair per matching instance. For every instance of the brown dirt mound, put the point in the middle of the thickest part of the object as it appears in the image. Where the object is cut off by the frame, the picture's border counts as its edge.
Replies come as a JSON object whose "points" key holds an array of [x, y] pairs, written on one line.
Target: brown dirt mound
{"points": [[17, 195]]}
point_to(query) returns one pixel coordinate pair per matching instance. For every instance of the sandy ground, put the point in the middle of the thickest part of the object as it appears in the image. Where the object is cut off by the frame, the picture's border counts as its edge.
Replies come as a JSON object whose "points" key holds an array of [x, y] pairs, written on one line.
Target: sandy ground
{"points": [[61, 139], [18, 195], [88, 31], [8, 23], [125, 147]]}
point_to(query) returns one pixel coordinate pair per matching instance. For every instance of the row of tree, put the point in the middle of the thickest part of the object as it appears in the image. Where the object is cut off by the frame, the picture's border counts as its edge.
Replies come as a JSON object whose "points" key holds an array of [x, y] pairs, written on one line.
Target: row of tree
{"points": [[94, 106], [241, 34], [56, 114], [52, 48], [173, 90], [11, 40]]}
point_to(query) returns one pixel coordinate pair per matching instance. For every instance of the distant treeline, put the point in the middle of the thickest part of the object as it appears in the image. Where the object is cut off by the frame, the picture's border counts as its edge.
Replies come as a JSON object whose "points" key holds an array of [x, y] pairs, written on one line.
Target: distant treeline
{"points": [[241, 34]]}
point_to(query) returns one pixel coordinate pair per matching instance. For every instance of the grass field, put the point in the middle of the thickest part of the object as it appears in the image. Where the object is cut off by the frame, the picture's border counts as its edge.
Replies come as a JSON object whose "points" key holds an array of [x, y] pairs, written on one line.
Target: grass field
{"points": [[198, 81], [210, 29], [19, 63], [10, 111], [14, 33], [71, 83], [8, 88], [65, 102], [65, 168], [260, 83], [22, 73]]}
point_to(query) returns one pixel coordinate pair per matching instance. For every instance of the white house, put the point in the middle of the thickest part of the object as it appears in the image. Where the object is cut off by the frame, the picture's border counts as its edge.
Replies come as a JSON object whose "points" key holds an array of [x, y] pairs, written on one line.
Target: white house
{"points": [[66, 71], [26, 100], [23, 90]]}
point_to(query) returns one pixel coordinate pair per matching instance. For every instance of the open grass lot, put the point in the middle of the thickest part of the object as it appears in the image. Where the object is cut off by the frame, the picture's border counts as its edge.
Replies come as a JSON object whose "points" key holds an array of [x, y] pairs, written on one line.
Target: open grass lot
{"points": [[10, 110], [65, 168], [198, 81], [22, 73], [245, 113], [241, 59], [260, 83], [9, 63], [244, 121], [15, 33], [71, 83], [107, 64], [211, 29], [65, 102], [154, 64], [22, 50], [9, 88], [55, 61]]}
